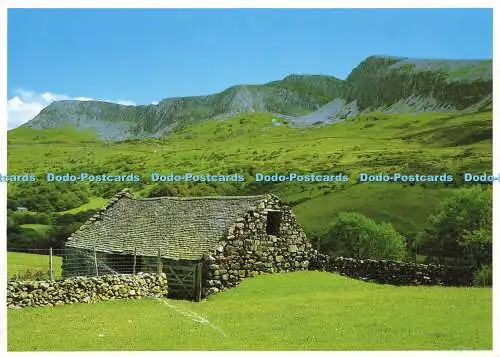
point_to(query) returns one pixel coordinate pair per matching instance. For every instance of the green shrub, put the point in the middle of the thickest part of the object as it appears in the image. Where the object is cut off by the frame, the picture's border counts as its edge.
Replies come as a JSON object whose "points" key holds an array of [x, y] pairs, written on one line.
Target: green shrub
{"points": [[478, 246], [356, 236], [458, 232], [483, 276]]}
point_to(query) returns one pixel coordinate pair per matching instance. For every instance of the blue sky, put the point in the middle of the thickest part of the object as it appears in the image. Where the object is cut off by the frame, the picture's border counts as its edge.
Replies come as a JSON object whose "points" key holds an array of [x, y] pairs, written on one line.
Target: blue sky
{"points": [[142, 56]]}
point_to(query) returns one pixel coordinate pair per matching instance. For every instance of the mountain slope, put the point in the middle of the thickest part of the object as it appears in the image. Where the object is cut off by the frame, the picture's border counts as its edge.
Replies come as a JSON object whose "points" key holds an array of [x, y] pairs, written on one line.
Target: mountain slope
{"points": [[382, 81], [402, 85], [425, 143], [293, 95], [379, 83]]}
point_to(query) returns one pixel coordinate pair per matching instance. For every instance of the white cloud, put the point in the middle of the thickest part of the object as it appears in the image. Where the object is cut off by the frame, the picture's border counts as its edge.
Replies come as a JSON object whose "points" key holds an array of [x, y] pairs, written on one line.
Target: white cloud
{"points": [[154, 102], [25, 105], [83, 99], [51, 97], [125, 102]]}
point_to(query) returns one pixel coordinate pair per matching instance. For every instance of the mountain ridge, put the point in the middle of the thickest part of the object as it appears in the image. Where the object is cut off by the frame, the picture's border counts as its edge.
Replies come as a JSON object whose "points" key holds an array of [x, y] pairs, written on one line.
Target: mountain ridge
{"points": [[378, 83]]}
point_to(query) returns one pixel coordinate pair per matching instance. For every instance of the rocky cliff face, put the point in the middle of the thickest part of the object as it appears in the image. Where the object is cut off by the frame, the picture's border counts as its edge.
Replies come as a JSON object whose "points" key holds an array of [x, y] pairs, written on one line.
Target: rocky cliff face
{"points": [[402, 85], [379, 83], [294, 95]]}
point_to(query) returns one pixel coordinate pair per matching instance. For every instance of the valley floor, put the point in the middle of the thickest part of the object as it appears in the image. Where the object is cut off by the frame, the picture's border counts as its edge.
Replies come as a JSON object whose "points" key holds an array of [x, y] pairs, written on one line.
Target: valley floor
{"points": [[294, 311]]}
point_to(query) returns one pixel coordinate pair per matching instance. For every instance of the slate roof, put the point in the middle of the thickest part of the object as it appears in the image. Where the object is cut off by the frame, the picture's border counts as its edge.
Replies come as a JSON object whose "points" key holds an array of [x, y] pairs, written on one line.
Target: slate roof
{"points": [[181, 227]]}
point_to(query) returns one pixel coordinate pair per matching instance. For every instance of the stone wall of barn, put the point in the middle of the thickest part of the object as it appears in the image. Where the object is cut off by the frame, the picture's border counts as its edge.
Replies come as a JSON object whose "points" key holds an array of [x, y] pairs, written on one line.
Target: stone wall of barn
{"points": [[248, 250]]}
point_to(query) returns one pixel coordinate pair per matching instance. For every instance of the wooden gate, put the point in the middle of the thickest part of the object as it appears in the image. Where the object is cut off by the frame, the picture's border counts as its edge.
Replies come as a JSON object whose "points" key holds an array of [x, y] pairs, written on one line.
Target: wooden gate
{"points": [[184, 281]]}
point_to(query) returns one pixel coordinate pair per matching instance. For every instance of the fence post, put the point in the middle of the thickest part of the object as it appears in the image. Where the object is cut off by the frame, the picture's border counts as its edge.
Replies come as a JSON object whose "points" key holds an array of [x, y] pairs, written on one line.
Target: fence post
{"points": [[95, 261], [51, 264], [158, 262], [198, 279], [135, 259]]}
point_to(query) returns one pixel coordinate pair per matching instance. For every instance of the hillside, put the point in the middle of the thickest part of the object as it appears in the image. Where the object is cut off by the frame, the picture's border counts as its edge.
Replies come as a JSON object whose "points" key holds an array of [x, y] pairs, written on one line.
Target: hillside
{"points": [[250, 143], [391, 115], [378, 84]]}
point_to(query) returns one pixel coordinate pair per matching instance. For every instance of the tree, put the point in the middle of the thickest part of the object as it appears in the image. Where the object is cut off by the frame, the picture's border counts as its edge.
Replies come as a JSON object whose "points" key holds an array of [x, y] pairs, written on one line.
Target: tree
{"points": [[162, 190], [202, 189], [12, 204], [478, 246], [27, 239], [12, 226], [459, 223], [356, 236], [58, 235]]}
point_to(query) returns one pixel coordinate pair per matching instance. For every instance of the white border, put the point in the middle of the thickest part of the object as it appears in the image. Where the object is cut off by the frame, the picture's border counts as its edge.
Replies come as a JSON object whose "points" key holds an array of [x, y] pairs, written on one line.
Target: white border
{"points": [[496, 188], [3, 169], [246, 4]]}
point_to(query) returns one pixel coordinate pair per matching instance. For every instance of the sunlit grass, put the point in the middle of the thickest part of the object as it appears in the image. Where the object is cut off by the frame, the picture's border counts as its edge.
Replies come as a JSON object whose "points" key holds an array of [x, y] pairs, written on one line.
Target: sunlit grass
{"points": [[294, 311]]}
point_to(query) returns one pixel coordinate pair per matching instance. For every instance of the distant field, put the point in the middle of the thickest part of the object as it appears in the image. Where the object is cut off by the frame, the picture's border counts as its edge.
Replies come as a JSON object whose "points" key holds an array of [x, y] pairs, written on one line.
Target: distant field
{"points": [[294, 311], [40, 228], [18, 263], [94, 203], [382, 202]]}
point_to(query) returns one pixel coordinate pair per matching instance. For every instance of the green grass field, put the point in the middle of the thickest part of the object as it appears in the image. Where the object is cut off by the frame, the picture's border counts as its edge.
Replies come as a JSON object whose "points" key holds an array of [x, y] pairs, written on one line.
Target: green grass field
{"points": [[294, 311], [382, 202], [18, 263], [94, 203], [40, 228], [250, 143]]}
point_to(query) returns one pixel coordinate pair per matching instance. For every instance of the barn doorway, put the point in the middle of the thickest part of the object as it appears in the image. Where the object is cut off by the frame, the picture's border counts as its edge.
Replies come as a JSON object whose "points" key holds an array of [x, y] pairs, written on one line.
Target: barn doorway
{"points": [[184, 280], [273, 222]]}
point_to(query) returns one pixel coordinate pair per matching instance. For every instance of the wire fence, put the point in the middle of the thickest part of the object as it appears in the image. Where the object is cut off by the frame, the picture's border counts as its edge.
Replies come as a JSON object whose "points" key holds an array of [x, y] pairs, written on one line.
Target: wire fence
{"points": [[57, 264]]}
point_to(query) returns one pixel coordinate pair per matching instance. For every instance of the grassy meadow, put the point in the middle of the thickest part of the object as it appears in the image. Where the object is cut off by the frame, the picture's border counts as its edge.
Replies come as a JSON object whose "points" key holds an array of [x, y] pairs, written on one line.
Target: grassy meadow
{"points": [[18, 263], [94, 203], [252, 143], [426, 143], [41, 228], [292, 311]]}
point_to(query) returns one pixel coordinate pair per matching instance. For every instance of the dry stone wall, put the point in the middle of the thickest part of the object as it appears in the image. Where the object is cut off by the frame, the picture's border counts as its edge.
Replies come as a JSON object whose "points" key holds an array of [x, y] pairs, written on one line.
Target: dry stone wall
{"points": [[249, 251], [394, 272], [85, 289]]}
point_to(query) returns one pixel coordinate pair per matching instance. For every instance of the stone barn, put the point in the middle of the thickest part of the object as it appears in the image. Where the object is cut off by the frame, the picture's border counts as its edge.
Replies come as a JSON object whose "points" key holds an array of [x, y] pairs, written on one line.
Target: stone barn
{"points": [[203, 244]]}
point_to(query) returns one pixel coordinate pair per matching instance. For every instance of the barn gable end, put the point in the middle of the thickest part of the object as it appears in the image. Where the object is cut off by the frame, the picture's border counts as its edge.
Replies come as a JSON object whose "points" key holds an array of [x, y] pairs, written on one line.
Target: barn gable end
{"points": [[249, 250]]}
